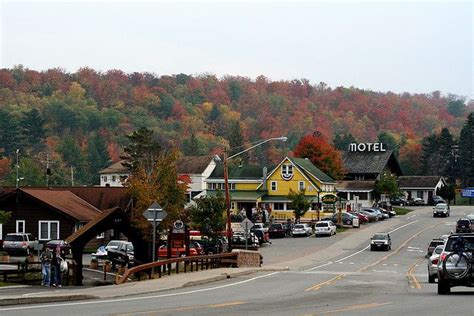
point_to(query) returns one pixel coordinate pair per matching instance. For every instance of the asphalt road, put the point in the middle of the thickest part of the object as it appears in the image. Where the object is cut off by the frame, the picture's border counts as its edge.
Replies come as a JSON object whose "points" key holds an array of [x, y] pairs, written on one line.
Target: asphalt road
{"points": [[358, 282]]}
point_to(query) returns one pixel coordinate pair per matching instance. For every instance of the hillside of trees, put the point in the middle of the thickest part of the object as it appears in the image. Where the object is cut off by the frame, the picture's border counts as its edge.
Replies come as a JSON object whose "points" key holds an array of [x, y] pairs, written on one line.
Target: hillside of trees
{"points": [[76, 123]]}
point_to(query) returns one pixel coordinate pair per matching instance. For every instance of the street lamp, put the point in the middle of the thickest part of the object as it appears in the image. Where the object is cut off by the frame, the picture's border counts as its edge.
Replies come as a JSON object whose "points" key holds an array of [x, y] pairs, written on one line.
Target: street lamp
{"points": [[226, 182], [17, 168]]}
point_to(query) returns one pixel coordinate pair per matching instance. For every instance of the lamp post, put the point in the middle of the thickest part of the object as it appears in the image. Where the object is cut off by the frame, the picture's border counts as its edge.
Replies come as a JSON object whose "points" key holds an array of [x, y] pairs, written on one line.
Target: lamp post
{"points": [[17, 168], [226, 182]]}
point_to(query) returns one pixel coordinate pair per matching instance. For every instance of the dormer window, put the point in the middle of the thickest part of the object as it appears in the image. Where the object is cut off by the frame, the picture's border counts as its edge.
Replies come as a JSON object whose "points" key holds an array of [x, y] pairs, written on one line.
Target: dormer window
{"points": [[287, 171]]}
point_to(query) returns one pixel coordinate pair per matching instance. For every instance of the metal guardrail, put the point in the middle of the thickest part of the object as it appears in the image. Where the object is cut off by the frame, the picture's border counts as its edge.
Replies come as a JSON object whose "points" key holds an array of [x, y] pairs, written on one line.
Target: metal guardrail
{"points": [[190, 264]]}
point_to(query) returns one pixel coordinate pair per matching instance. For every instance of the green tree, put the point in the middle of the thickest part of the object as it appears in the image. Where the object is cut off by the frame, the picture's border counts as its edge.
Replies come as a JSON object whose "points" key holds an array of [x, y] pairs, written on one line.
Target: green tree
{"points": [[142, 151], [236, 141], [389, 140], [30, 173], [466, 152], [429, 159], [10, 136], [33, 131], [193, 146], [72, 155], [446, 157], [97, 157], [342, 142], [299, 203], [456, 107], [447, 192], [387, 185], [208, 215], [4, 216]]}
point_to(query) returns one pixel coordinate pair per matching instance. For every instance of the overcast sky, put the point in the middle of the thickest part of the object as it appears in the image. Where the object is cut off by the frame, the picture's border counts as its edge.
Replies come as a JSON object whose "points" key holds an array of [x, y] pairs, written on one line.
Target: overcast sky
{"points": [[396, 47]]}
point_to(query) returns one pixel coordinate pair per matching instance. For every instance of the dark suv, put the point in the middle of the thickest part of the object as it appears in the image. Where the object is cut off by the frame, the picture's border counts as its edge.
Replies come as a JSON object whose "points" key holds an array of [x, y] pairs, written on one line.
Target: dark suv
{"points": [[445, 283], [463, 225]]}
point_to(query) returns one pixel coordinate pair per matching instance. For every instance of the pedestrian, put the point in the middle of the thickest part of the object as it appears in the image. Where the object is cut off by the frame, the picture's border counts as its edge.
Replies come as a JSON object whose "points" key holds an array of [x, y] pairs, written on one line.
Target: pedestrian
{"points": [[45, 259], [56, 267]]}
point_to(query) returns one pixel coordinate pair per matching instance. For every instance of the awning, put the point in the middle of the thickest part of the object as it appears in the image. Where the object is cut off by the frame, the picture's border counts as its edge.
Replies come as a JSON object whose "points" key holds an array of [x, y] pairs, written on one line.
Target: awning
{"points": [[241, 196], [284, 198]]}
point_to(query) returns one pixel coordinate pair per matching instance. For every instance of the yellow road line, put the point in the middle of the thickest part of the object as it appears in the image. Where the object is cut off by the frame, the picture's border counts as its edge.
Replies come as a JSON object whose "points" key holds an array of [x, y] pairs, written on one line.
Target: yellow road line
{"points": [[411, 276], [354, 307], [319, 285], [181, 309]]}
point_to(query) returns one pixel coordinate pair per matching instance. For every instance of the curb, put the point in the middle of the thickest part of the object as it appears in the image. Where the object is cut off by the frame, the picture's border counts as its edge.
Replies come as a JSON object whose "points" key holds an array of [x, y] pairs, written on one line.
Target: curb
{"points": [[45, 299]]}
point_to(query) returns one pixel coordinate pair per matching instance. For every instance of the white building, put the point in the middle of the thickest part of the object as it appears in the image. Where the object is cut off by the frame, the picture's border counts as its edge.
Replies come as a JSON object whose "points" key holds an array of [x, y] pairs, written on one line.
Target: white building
{"points": [[423, 187]]}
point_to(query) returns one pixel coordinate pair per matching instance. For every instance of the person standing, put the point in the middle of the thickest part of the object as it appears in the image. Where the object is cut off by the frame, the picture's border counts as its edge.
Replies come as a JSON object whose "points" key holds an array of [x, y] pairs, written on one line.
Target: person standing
{"points": [[56, 267], [45, 259]]}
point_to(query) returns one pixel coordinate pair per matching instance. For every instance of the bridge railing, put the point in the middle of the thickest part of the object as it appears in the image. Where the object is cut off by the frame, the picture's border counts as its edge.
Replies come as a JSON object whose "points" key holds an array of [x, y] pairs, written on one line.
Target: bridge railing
{"points": [[181, 264]]}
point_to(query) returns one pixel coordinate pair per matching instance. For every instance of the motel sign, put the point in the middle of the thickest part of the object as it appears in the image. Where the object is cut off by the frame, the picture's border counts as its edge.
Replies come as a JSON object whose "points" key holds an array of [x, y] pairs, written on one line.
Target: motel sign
{"points": [[367, 147]]}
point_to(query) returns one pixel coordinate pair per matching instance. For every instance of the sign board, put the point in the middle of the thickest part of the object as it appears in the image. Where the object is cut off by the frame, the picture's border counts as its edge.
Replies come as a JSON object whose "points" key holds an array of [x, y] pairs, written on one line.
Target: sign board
{"points": [[329, 199], [468, 192], [367, 147], [177, 243], [155, 212], [178, 227], [246, 224]]}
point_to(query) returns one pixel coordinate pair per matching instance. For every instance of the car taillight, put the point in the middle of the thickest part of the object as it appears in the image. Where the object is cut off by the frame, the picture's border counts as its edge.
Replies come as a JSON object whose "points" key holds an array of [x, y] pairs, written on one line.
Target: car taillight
{"points": [[434, 261], [443, 256], [24, 243]]}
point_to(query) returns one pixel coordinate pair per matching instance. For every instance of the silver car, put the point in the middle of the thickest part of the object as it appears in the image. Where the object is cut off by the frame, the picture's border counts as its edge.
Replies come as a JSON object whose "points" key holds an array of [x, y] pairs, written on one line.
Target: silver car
{"points": [[302, 230], [433, 263]]}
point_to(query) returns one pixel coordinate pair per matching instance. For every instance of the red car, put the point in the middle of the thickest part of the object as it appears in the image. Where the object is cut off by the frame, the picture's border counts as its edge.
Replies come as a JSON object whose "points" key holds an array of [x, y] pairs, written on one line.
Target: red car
{"points": [[362, 217], [195, 249]]}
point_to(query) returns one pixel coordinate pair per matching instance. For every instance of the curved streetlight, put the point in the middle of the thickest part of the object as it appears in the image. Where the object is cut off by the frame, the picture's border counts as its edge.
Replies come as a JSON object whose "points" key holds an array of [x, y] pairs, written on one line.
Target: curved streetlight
{"points": [[226, 181]]}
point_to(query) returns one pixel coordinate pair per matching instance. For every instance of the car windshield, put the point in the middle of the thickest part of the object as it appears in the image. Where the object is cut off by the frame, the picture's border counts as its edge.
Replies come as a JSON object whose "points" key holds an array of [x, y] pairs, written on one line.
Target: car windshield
{"points": [[276, 226], [435, 243], [438, 250], [441, 206], [322, 224], [14, 238], [299, 226], [113, 243], [380, 237]]}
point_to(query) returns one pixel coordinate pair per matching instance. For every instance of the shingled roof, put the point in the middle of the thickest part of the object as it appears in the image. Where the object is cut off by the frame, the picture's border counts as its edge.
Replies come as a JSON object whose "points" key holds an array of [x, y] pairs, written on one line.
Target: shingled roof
{"points": [[240, 172], [418, 181], [193, 164], [355, 185], [115, 168], [369, 162], [65, 202], [307, 166]]}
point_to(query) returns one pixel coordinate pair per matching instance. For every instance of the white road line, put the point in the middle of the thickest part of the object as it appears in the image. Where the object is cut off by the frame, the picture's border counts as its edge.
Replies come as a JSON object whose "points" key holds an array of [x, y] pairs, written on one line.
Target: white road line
{"points": [[320, 266], [122, 299]]}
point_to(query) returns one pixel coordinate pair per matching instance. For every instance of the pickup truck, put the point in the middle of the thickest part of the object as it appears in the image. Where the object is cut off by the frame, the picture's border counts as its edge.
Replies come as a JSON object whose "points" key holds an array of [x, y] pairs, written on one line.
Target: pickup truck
{"points": [[122, 255], [20, 242]]}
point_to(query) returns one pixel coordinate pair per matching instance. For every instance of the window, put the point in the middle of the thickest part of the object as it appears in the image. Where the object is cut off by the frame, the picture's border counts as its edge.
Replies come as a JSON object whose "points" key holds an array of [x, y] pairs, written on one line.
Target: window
{"points": [[287, 171], [301, 185], [273, 185], [278, 206], [114, 178], [48, 230], [104, 178], [20, 226], [419, 194]]}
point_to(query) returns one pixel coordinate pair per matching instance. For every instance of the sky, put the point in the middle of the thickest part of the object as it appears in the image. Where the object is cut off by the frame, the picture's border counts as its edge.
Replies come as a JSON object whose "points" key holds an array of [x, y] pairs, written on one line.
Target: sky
{"points": [[382, 46]]}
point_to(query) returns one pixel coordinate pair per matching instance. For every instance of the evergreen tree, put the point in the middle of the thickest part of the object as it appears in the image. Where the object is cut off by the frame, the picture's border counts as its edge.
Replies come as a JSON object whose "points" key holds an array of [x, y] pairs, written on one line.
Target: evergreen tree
{"points": [[33, 129], [74, 158], [466, 152], [389, 140], [429, 160], [193, 146], [10, 136], [215, 114], [208, 216], [446, 157], [142, 151], [97, 157], [236, 142], [342, 142]]}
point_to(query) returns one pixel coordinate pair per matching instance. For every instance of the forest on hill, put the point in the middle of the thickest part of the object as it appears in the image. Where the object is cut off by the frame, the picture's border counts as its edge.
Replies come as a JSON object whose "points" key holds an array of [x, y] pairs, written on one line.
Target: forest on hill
{"points": [[76, 123]]}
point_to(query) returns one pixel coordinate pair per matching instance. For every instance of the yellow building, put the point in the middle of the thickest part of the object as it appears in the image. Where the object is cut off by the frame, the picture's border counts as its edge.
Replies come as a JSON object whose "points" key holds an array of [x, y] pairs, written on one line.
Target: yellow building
{"points": [[267, 187]]}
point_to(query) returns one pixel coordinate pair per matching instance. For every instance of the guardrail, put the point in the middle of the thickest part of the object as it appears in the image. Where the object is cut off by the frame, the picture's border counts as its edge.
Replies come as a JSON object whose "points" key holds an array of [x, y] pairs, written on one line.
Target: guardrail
{"points": [[190, 264], [19, 268]]}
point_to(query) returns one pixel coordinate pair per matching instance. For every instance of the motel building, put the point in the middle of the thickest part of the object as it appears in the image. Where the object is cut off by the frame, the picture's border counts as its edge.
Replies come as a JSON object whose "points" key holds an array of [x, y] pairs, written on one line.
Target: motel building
{"points": [[267, 187]]}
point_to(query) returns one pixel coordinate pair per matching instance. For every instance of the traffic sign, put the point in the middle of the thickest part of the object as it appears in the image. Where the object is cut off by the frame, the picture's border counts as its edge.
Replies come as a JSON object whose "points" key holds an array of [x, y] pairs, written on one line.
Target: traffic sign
{"points": [[246, 224], [155, 212]]}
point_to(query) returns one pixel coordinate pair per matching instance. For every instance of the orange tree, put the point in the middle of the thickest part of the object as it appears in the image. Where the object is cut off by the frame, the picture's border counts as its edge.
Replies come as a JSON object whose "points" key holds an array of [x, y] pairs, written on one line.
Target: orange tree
{"points": [[322, 154]]}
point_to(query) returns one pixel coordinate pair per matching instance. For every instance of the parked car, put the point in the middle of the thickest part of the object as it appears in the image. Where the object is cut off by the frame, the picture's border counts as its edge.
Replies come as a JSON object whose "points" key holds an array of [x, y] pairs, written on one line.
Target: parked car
{"points": [[441, 209], [445, 283], [362, 218], [20, 243], [463, 225], [347, 219], [195, 249], [302, 230], [325, 228], [261, 226], [381, 241], [277, 230], [436, 199], [64, 246], [399, 201], [471, 218], [262, 235], [375, 212], [113, 244], [370, 216], [213, 246], [433, 262], [418, 202], [385, 213], [238, 239], [123, 254], [433, 244]]}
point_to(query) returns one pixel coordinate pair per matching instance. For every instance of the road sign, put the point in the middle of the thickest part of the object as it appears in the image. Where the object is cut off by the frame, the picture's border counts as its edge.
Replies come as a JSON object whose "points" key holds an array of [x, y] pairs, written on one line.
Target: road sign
{"points": [[246, 224], [468, 192], [155, 212]]}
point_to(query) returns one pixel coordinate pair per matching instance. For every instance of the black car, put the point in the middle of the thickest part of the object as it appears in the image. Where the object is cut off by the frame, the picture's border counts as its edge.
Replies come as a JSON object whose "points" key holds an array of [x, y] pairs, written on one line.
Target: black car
{"points": [[433, 244], [277, 230], [463, 225], [213, 246], [398, 201]]}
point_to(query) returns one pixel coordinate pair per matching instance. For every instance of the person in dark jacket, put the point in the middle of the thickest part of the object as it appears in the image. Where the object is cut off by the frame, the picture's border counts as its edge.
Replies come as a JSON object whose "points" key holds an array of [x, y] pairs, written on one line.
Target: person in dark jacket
{"points": [[45, 259], [56, 267]]}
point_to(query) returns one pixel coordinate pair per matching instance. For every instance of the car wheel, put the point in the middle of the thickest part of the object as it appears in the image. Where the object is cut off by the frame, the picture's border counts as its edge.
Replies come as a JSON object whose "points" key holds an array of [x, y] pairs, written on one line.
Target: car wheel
{"points": [[431, 278], [371, 248], [443, 287]]}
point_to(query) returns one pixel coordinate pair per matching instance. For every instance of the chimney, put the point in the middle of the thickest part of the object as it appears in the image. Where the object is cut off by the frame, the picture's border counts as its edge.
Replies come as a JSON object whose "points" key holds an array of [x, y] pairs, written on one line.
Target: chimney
{"points": [[264, 178]]}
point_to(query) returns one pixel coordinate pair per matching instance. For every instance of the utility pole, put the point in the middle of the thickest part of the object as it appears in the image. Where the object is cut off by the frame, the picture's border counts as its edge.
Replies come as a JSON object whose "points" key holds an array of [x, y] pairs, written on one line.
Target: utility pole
{"points": [[72, 176], [48, 171], [17, 168]]}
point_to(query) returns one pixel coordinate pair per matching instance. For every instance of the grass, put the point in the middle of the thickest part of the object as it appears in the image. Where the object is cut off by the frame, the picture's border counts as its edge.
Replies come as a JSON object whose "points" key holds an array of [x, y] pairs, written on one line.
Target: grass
{"points": [[341, 229], [6, 283], [462, 200], [402, 210]]}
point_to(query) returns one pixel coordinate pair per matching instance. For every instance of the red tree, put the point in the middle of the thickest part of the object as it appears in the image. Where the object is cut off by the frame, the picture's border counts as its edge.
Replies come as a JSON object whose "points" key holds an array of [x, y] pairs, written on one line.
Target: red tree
{"points": [[322, 154]]}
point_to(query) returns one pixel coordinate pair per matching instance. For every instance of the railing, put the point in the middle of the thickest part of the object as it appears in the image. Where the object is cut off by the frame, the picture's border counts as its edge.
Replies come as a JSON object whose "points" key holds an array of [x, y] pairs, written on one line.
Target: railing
{"points": [[190, 264], [19, 268]]}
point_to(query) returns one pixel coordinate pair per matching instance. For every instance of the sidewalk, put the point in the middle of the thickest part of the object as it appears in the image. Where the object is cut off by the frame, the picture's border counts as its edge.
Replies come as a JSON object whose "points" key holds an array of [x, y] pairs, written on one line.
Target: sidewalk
{"points": [[351, 240]]}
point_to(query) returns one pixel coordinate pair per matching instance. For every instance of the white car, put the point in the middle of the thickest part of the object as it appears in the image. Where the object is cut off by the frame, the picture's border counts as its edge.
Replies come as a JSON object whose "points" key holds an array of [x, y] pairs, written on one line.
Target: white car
{"points": [[301, 230], [325, 228], [433, 262]]}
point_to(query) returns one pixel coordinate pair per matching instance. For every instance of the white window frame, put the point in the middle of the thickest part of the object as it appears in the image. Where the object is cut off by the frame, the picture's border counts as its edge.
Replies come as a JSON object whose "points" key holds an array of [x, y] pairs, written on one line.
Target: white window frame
{"points": [[100, 236], [301, 185], [273, 185], [49, 230], [16, 226]]}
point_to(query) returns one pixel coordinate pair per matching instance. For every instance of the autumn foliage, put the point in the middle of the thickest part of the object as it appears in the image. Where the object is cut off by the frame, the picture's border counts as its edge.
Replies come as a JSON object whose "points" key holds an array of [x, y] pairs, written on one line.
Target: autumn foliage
{"points": [[322, 154]]}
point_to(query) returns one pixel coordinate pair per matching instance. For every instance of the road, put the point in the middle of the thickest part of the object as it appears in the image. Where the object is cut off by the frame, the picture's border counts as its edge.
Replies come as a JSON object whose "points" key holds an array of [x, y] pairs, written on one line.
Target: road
{"points": [[356, 282]]}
